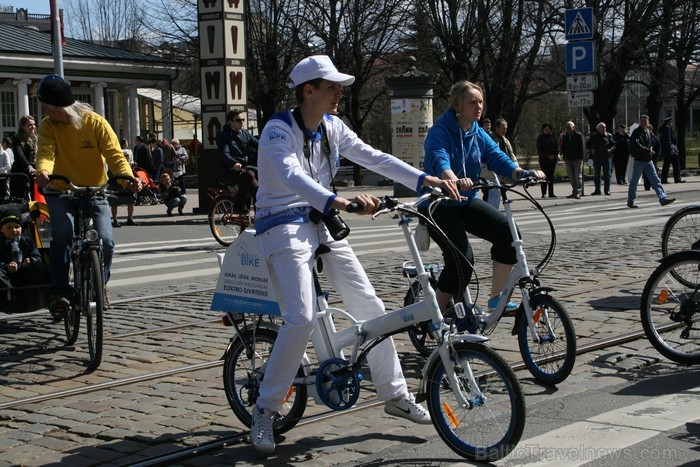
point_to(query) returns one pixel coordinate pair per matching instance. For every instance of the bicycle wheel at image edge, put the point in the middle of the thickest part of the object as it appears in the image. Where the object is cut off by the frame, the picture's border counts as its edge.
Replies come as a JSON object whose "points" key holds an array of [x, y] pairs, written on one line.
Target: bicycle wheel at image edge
{"points": [[241, 380], [682, 231], [551, 359], [670, 308], [493, 425], [224, 224], [94, 306]]}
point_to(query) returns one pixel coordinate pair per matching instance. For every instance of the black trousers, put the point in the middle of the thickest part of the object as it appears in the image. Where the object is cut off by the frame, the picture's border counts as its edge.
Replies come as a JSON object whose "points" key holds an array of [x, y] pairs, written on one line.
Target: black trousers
{"points": [[548, 167], [671, 160], [620, 163], [476, 218], [246, 181]]}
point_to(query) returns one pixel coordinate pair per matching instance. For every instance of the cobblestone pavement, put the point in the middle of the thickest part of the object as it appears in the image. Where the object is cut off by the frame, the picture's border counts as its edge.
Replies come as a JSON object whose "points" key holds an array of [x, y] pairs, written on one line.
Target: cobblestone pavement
{"points": [[598, 279]]}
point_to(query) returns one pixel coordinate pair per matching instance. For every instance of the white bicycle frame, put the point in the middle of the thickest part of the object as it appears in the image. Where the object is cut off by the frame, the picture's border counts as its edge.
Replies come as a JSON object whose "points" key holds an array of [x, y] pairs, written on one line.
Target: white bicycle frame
{"points": [[329, 342], [520, 271]]}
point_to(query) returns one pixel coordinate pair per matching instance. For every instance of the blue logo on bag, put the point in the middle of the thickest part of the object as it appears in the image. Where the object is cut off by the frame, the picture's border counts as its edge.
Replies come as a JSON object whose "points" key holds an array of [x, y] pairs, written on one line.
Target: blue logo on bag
{"points": [[248, 259]]}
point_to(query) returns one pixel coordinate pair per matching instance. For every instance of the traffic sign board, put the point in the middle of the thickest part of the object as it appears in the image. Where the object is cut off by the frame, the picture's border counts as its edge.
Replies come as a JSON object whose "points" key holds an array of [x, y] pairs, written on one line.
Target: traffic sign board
{"points": [[580, 57], [587, 82], [581, 99], [579, 24]]}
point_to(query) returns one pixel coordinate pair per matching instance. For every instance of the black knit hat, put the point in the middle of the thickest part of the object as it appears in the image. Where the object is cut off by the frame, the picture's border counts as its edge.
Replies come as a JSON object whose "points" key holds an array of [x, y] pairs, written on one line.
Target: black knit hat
{"points": [[10, 216], [54, 90]]}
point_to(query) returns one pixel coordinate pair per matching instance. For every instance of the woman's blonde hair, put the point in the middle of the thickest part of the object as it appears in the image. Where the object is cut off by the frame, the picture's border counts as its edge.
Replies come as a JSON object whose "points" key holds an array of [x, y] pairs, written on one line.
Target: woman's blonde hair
{"points": [[460, 89]]}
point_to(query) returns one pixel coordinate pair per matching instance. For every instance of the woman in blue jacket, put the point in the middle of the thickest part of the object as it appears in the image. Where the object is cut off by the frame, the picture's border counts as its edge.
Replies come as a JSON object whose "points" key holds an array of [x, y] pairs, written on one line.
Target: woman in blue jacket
{"points": [[454, 150]]}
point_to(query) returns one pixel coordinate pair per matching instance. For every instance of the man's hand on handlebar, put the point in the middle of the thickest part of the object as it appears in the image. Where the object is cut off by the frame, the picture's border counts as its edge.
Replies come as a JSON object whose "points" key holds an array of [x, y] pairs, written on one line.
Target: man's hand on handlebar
{"points": [[134, 186], [362, 204]]}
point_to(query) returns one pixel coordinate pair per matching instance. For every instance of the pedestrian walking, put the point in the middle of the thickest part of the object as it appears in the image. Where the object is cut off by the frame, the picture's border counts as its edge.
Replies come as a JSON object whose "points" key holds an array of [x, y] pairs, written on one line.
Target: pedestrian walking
{"points": [[643, 154]]}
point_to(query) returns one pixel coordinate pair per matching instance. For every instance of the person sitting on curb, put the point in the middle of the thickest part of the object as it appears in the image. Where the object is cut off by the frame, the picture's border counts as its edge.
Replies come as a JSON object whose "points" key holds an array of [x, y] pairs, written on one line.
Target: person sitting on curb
{"points": [[171, 194]]}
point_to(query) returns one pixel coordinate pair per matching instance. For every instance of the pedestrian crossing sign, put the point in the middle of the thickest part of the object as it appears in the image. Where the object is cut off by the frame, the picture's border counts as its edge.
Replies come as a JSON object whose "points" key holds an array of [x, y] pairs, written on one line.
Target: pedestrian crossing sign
{"points": [[579, 24]]}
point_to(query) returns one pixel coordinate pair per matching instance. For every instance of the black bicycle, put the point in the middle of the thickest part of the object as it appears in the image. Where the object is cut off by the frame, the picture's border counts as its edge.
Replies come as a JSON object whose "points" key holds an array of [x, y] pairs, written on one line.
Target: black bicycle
{"points": [[681, 231], [670, 307], [86, 264]]}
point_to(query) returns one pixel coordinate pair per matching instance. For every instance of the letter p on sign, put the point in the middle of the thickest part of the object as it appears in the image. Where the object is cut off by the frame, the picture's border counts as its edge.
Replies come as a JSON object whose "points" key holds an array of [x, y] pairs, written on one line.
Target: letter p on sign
{"points": [[580, 57]]}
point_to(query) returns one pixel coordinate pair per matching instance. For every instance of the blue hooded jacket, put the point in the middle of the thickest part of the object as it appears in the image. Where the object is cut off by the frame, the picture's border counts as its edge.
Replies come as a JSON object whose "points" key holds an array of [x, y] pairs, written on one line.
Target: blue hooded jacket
{"points": [[447, 146]]}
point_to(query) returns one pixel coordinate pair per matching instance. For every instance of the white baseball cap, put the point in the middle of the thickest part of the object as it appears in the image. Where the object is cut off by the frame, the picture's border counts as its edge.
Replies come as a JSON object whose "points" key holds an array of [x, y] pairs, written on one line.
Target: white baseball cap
{"points": [[318, 66]]}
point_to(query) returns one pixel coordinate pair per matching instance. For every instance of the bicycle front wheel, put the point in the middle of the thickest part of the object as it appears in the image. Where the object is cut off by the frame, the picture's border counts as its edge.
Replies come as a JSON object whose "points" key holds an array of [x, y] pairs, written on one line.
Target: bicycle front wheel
{"points": [[682, 231], [494, 421], [224, 223], [243, 371], [94, 305], [550, 359], [670, 308], [71, 320]]}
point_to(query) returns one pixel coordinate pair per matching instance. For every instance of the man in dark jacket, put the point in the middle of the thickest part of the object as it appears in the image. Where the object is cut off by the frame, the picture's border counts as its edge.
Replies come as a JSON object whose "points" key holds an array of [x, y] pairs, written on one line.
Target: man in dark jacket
{"points": [[142, 155], [572, 150], [643, 154], [669, 152], [621, 154], [237, 153], [601, 145]]}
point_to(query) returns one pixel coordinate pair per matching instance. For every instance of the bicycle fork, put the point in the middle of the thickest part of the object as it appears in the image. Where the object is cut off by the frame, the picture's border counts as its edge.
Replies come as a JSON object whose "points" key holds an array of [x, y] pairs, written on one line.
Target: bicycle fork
{"points": [[448, 355]]}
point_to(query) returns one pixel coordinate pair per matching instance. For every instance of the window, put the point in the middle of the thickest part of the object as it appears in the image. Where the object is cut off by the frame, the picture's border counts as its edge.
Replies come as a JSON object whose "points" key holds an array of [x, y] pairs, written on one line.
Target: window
{"points": [[8, 112], [85, 97]]}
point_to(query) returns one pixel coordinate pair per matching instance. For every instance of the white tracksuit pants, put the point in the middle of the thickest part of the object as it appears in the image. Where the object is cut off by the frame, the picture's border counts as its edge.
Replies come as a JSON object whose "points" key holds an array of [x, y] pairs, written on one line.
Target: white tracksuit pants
{"points": [[289, 250]]}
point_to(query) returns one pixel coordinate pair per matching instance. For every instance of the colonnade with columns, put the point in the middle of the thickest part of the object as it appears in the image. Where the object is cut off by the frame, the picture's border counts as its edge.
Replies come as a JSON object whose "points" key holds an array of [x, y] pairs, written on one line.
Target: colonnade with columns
{"points": [[126, 123]]}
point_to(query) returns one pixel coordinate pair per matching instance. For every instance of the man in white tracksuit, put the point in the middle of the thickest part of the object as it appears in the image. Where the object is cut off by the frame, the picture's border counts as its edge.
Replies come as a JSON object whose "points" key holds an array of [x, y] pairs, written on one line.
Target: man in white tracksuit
{"points": [[298, 156]]}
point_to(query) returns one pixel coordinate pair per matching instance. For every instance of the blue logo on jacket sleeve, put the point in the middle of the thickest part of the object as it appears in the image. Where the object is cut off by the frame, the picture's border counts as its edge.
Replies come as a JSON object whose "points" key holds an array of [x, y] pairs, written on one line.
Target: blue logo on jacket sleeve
{"points": [[272, 135]]}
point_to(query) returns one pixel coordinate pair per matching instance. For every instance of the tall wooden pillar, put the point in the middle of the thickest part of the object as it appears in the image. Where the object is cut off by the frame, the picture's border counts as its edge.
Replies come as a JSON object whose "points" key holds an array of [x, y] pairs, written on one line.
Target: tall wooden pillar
{"points": [[223, 77]]}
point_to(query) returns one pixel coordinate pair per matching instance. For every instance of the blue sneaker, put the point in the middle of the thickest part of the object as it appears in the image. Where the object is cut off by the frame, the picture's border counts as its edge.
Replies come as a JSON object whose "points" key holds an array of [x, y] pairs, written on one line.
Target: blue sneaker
{"points": [[493, 303]]}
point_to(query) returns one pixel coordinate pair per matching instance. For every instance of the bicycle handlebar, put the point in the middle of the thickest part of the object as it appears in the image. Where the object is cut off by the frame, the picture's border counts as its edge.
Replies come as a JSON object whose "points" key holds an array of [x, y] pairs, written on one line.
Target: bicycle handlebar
{"points": [[84, 189], [489, 185]]}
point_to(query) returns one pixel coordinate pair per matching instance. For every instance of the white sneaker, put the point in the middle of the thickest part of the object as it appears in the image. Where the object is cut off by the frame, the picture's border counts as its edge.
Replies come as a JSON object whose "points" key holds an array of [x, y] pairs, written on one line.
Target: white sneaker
{"points": [[261, 431], [405, 406]]}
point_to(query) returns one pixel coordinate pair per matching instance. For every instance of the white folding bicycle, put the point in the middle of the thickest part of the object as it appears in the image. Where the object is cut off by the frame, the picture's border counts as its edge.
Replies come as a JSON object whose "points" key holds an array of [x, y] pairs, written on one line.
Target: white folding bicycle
{"points": [[474, 398]]}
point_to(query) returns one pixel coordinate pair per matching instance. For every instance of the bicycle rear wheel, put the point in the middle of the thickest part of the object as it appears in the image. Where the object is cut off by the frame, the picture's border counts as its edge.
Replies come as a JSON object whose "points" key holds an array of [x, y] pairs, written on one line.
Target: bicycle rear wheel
{"points": [[682, 231], [670, 308], [493, 424], [243, 367], [94, 305], [552, 358], [225, 224]]}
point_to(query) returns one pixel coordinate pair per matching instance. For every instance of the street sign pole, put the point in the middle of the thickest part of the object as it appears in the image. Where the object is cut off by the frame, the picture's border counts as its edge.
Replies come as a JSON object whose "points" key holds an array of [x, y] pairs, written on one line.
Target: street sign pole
{"points": [[581, 79]]}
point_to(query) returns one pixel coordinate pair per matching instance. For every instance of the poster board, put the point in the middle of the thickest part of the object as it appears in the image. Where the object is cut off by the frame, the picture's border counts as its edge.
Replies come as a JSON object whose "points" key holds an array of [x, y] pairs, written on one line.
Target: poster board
{"points": [[244, 284]]}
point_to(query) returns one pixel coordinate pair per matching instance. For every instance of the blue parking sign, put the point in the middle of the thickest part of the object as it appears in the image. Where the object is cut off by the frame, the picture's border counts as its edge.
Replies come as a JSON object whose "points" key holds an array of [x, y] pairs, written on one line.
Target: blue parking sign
{"points": [[579, 24], [580, 57]]}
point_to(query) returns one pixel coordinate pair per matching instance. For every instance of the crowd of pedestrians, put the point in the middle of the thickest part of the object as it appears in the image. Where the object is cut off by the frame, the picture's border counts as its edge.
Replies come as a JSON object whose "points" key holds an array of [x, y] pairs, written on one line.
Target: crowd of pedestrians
{"points": [[627, 156]]}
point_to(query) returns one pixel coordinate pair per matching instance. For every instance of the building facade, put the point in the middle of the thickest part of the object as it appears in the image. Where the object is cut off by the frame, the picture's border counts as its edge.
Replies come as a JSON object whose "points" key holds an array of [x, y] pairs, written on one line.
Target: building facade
{"points": [[105, 77]]}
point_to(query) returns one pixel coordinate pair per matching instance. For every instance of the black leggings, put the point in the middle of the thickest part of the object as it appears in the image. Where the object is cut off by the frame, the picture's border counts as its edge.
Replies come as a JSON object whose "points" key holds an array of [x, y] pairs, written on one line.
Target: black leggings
{"points": [[548, 167], [477, 218]]}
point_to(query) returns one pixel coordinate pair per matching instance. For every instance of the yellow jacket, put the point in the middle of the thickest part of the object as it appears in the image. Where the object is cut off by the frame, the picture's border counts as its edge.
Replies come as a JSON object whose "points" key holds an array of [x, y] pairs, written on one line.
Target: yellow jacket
{"points": [[80, 155]]}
